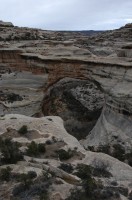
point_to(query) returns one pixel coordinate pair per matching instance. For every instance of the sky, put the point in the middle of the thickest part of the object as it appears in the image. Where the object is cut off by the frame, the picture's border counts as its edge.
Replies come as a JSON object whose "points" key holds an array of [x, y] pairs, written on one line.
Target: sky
{"points": [[67, 14]]}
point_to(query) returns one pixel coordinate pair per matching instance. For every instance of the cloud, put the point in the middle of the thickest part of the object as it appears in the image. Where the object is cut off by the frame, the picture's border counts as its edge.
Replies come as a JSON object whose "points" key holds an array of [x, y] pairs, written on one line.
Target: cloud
{"points": [[67, 14]]}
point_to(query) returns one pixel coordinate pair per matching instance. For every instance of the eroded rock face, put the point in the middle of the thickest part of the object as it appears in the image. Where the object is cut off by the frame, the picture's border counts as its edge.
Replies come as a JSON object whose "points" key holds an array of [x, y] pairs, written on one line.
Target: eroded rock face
{"points": [[21, 91], [79, 103], [50, 63]]}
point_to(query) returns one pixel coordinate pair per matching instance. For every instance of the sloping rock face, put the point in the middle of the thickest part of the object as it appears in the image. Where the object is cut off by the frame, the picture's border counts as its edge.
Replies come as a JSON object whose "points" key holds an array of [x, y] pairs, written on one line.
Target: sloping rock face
{"points": [[51, 129]]}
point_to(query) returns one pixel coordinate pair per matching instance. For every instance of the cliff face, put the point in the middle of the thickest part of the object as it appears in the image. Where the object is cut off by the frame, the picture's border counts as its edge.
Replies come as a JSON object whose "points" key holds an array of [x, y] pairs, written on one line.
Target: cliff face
{"points": [[71, 79]]}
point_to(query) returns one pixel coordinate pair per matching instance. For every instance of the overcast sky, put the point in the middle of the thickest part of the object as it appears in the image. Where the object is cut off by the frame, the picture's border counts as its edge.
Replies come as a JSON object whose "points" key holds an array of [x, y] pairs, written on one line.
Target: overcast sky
{"points": [[67, 14]]}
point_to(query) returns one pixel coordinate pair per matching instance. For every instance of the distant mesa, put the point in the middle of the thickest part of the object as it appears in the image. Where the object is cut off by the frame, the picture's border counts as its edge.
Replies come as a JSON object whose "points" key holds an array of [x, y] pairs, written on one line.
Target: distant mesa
{"points": [[6, 24], [128, 25]]}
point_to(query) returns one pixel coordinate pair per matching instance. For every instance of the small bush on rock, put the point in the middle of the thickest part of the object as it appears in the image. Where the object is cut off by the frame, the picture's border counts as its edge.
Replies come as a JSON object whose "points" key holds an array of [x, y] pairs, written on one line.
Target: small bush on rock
{"points": [[65, 155], [41, 148], [35, 149], [5, 174], [77, 194], [101, 168], [10, 151], [26, 179], [119, 152], [67, 167], [83, 171]]}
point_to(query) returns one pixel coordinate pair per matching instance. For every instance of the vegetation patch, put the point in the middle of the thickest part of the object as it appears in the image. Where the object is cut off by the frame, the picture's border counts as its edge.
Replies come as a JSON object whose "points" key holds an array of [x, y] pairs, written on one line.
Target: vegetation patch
{"points": [[35, 149], [67, 167], [5, 174], [10, 151], [65, 155], [116, 151]]}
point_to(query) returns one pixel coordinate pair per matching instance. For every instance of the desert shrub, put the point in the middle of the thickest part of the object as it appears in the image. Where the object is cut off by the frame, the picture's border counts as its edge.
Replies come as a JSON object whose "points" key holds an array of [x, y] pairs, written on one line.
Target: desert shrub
{"points": [[32, 174], [118, 152], [44, 196], [76, 194], [35, 149], [54, 139], [101, 168], [26, 179], [128, 156], [107, 193], [5, 174], [23, 130], [48, 142], [18, 189], [88, 182], [65, 155], [91, 188], [83, 171], [104, 148], [41, 148], [32, 149], [89, 185], [31, 189], [91, 148], [13, 97], [67, 167], [46, 175], [10, 151]]}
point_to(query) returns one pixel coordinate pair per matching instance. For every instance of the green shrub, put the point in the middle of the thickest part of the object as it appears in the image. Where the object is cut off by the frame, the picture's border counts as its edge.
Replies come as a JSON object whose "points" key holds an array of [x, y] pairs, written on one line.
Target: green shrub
{"points": [[10, 151], [128, 156], [41, 148], [44, 196], [5, 174], [67, 167], [76, 194], [104, 148], [89, 184], [101, 168], [23, 130], [119, 152], [30, 188], [32, 174], [26, 179], [83, 171], [35, 149], [65, 155], [32, 149]]}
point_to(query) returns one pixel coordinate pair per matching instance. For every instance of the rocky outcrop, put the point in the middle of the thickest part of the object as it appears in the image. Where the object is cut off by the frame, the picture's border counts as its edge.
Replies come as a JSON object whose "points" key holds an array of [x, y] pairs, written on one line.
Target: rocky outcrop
{"points": [[6, 24]]}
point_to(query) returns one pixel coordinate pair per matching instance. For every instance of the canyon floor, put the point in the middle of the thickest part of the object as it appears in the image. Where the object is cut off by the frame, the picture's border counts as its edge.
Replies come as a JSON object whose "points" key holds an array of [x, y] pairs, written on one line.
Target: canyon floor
{"points": [[65, 114]]}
